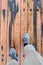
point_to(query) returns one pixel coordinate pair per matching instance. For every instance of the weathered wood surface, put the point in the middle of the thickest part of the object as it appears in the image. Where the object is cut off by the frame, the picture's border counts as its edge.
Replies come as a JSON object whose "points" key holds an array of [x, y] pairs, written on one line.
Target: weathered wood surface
{"points": [[16, 32], [38, 30], [8, 23], [3, 32], [30, 24], [23, 22], [16, 29], [0, 30], [42, 27]]}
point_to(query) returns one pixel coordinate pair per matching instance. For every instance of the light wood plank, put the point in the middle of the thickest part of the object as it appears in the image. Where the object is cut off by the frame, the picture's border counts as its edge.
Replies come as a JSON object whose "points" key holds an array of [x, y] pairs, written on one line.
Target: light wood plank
{"points": [[23, 24], [30, 20], [16, 29], [38, 30], [4, 33], [0, 32]]}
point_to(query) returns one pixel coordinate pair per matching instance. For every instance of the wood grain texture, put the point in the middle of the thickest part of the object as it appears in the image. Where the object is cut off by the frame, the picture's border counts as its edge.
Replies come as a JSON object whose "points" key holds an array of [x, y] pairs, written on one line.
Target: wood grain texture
{"points": [[4, 33], [38, 30], [30, 24]]}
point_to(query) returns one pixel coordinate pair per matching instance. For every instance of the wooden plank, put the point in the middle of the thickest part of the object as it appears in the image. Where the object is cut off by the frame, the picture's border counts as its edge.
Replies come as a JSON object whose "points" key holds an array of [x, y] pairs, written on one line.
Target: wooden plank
{"points": [[11, 23], [42, 47], [0, 31], [30, 20], [8, 23], [4, 33], [42, 4], [42, 27], [38, 30], [23, 24], [42, 36], [10, 28], [16, 32]]}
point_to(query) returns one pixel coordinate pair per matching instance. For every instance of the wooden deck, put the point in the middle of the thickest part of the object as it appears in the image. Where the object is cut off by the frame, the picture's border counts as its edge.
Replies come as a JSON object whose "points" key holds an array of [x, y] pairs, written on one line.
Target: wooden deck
{"points": [[18, 25]]}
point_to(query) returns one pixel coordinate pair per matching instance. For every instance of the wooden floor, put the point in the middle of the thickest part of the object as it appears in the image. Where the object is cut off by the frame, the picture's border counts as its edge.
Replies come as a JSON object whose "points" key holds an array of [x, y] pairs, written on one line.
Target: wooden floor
{"points": [[12, 28]]}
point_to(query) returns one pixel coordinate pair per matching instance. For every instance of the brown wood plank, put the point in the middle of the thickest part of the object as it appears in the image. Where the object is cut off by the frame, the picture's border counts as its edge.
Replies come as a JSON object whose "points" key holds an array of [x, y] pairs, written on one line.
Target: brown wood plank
{"points": [[0, 31], [42, 35], [42, 4], [30, 20], [16, 29], [38, 30], [42, 24], [4, 33], [16, 32], [42, 47], [8, 47], [23, 24], [12, 24]]}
